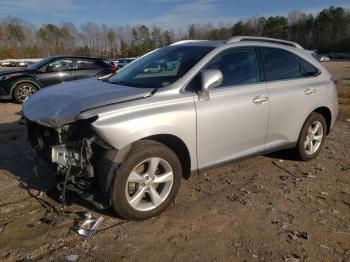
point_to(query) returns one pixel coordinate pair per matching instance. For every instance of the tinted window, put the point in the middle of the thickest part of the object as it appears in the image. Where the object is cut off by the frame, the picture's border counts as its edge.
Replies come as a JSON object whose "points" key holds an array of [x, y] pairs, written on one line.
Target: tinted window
{"points": [[307, 69], [238, 67], [86, 64], [280, 64], [60, 65]]}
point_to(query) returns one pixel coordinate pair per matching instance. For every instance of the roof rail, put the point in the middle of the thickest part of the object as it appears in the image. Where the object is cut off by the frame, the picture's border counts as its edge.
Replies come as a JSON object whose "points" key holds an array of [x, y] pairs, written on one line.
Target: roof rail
{"points": [[264, 39], [186, 41]]}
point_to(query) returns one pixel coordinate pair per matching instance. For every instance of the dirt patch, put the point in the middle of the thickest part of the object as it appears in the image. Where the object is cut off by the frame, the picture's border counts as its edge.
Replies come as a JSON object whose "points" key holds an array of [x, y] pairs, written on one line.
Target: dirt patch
{"points": [[339, 69], [2, 68], [267, 208]]}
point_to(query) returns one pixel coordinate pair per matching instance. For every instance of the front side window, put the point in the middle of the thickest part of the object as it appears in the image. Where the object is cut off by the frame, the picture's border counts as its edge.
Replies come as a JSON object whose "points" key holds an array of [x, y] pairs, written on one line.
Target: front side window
{"points": [[238, 67], [60, 65], [279, 64], [161, 67]]}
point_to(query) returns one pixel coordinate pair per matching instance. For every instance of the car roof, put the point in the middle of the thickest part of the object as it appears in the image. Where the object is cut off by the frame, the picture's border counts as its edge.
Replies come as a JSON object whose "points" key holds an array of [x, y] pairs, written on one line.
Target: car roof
{"points": [[76, 57], [211, 43]]}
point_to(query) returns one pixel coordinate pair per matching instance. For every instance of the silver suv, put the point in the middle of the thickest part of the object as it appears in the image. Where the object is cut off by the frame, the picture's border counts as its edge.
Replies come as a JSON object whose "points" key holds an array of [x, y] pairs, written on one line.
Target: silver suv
{"points": [[177, 111]]}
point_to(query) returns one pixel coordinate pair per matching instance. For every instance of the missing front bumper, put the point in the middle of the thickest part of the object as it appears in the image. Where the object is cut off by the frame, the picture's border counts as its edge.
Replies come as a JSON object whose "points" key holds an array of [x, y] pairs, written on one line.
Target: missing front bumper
{"points": [[75, 152], [62, 156]]}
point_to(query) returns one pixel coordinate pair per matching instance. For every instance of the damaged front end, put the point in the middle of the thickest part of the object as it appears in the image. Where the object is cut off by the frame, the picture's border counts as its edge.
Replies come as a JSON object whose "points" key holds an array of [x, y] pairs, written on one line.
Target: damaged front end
{"points": [[78, 155]]}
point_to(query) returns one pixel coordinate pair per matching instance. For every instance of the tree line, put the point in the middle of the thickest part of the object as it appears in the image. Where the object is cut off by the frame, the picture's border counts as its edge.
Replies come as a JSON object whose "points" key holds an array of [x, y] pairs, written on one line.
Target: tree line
{"points": [[327, 31]]}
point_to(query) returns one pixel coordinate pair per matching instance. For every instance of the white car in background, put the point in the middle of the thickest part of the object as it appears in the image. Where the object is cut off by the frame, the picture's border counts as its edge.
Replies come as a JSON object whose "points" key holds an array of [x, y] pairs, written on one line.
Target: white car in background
{"points": [[5, 63], [324, 59]]}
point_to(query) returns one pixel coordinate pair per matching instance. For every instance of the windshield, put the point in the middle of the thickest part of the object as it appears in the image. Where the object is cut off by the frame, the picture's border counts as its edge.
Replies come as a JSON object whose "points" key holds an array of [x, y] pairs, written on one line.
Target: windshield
{"points": [[39, 64], [161, 67]]}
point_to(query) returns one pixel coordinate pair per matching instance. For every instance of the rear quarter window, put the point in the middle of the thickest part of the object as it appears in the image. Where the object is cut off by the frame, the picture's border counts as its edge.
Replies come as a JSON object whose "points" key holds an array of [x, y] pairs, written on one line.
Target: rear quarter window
{"points": [[308, 70]]}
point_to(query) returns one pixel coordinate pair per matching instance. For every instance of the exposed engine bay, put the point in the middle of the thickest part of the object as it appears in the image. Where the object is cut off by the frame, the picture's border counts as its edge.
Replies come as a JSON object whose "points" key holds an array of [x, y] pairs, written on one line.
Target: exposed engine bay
{"points": [[78, 154]]}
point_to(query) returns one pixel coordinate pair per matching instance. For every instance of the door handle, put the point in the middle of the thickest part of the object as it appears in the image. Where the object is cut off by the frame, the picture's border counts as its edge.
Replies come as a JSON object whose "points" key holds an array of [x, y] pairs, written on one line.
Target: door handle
{"points": [[310, 91], [260, 99]]}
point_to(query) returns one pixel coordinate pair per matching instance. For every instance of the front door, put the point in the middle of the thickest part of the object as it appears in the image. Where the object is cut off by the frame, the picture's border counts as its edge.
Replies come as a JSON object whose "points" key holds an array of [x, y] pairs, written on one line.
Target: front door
{"points": [[233, 122], [57, 71]]}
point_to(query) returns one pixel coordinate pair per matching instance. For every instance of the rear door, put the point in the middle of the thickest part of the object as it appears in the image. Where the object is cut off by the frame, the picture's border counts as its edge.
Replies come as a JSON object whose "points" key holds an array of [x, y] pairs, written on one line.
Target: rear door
{"points": [[233, 122], [294, 90], [56, 71], [85, 68]]}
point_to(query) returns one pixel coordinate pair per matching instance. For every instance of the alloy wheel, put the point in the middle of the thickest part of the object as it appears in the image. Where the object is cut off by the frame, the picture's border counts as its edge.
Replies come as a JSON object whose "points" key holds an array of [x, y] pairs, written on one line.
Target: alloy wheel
{"points": [[149, 184], [25, 91], [313, 139]]}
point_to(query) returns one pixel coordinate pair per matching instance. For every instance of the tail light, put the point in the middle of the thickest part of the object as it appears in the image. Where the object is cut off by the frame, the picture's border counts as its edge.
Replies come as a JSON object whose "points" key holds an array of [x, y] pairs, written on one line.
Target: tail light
{"points": [[114, 68], [334, 80]]}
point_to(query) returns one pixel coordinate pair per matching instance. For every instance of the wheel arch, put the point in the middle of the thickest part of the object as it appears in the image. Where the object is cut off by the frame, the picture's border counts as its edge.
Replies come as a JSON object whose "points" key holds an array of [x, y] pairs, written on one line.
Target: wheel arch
{"points": [[179, 147], [326, 113], [24, 80]]}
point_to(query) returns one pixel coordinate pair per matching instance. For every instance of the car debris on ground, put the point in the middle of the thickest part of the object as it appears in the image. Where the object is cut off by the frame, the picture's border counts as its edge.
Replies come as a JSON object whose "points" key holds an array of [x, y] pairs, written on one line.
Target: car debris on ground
{"points": [[89, 226]]}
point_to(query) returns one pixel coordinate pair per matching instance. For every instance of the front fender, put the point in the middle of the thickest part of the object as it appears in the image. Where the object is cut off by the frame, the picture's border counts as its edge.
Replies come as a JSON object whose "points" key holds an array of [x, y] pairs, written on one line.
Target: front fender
{"points": [[121, 128], [26, 79]]}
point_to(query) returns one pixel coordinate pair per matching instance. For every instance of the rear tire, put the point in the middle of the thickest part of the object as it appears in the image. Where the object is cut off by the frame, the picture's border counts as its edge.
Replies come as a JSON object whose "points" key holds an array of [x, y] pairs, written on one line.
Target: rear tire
{"points": [[312, 137], [22, 91], [147, 181]]}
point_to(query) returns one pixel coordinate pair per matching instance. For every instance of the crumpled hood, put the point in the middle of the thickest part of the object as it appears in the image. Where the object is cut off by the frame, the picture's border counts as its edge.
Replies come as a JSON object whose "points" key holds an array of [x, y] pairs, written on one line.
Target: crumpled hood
{"points": [[62, 104]]}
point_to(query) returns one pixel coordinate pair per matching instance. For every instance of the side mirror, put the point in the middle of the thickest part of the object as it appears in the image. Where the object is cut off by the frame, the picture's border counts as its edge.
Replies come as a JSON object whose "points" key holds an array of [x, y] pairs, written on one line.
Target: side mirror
{"points": [[211, 78]]}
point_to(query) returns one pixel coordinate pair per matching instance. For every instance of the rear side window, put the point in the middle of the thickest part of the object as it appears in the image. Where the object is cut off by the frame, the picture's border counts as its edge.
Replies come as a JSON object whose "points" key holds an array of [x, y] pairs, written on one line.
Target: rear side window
{"points": [[86, 64], [239, 67], [308, 70], [280, 64]]}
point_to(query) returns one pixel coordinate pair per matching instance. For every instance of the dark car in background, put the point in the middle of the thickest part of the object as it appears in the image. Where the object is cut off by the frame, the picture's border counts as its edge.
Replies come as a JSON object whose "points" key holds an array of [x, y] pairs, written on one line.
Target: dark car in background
{"points": [[19, 84], [123, 62]]}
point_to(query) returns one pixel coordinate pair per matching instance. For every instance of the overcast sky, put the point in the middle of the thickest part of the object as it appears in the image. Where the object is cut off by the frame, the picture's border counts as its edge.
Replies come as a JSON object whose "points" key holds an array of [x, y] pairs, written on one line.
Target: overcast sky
{"points": [[165, 13]]}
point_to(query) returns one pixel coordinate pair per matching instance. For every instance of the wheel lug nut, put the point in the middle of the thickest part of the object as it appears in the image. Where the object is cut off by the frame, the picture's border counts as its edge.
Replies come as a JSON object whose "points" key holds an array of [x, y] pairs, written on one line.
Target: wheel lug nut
{"points": [[146, 177], [143, 184]]}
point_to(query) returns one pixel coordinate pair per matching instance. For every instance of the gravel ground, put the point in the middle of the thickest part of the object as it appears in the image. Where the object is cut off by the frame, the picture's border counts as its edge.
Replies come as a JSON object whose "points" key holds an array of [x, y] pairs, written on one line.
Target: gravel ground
{"points": [[268, 208]]}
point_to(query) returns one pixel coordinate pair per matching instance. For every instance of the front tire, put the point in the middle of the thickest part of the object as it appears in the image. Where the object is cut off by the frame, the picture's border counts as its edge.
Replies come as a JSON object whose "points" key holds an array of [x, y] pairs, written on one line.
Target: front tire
{"points": [[147, 181], [312, 137], [22, 91]]}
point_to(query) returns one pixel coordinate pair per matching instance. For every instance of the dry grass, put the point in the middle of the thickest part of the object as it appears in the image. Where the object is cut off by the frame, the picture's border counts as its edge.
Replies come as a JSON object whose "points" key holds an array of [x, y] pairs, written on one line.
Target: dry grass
{"points": [[4, 68], [344, 103], [344, 94]]}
